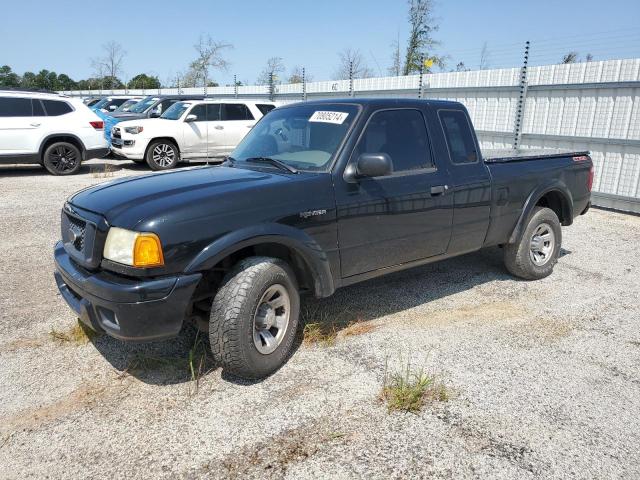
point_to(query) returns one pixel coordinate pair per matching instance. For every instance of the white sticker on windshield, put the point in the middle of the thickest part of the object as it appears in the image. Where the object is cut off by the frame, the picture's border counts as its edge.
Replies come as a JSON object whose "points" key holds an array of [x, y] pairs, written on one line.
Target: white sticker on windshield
{"points": [[329, 117]]}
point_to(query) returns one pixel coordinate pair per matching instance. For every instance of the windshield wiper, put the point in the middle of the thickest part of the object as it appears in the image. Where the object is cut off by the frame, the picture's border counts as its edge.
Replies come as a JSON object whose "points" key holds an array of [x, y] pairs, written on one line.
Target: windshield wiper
{"points": [[229, 160], [272, 161]]}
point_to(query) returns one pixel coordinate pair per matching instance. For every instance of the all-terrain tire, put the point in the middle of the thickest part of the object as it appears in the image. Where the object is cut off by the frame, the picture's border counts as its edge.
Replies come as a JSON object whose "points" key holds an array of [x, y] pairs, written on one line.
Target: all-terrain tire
{"points": [[231, 328], [518, 257]]}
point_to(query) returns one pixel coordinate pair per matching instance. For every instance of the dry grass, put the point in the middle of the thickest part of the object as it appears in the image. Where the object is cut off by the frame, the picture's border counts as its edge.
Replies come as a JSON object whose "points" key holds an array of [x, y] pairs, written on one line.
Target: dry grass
{"points": [[409, 391], [324, 329], [106, 171], [78, 334]]}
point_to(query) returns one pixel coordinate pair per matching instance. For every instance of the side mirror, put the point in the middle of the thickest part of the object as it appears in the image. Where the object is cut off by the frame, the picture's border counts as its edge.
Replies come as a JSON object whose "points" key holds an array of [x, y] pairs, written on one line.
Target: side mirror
{"points": [[191, 118], [374, 165], [156, 114], [112, 107]]}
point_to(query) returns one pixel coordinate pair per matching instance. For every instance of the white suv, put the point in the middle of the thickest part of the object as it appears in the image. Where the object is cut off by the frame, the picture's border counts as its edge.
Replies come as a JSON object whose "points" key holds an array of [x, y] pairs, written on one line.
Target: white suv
{"points": [[187, 130], [49, 129]]}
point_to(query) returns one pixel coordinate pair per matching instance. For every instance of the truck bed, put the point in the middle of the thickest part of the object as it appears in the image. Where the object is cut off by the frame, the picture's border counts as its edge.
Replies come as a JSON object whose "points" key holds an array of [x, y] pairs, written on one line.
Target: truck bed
{"points": [[510, 155]]}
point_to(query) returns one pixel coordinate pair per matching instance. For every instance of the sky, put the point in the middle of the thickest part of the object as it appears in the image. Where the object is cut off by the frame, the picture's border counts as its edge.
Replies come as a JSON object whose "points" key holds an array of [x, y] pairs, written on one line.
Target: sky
{"points": [[158, 36]]}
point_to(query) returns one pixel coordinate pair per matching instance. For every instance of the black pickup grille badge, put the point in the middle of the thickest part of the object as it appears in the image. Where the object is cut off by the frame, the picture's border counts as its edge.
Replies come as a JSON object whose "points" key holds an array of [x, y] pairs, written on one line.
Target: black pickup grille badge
{"points": [[76, 232]]}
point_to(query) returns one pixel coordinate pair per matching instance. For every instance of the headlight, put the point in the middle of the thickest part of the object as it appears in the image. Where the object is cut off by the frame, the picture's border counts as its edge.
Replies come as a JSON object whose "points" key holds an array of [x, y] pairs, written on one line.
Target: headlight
{"points": [[133, 130], [136, 249]]}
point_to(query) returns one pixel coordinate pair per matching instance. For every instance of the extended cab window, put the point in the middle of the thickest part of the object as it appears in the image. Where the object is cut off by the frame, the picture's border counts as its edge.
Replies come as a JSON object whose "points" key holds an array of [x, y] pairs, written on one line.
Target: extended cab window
{"points": [[15, 107], [401, 134], [56, 108], [264, 108], [458, 135], [236, 111]]}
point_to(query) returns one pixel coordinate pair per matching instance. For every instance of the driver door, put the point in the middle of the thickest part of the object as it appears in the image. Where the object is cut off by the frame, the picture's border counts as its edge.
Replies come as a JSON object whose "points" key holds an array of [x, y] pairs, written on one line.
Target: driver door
{"points": [[195, 133]]}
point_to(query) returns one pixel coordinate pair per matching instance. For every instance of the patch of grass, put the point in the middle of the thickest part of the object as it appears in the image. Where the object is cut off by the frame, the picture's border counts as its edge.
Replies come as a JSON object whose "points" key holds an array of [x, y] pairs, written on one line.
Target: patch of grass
{"points": [[408, 390], [105, 172], [79, 334], [358, 327], [321, 328], [317, 333]]}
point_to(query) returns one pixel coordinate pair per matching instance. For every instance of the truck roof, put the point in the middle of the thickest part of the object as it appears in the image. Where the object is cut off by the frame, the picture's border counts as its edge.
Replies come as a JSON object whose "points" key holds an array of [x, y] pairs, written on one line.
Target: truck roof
{"points": [[383, 102]]}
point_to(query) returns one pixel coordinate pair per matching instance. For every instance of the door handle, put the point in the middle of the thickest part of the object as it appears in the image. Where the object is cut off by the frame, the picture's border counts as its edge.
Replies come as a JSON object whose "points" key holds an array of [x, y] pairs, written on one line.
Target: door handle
{"points": [[439, 189], [35, 124], [219, 127]]}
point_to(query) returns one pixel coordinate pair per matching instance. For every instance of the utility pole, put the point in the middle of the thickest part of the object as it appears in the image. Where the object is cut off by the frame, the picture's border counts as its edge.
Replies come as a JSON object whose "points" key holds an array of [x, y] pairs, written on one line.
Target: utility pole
{"points": [[351, 93], [522, 100]]}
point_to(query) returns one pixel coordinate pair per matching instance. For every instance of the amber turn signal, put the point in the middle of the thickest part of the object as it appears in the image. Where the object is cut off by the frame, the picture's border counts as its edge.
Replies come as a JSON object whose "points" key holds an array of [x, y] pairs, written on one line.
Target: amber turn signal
{"points": [[147, 251]]}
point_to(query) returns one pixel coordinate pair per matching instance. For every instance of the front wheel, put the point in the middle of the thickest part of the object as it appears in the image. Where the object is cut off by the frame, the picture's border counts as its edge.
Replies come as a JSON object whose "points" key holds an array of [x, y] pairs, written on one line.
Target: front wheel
{"points": [[254, 317], [535, 254], [62, 158], [162, 155]]}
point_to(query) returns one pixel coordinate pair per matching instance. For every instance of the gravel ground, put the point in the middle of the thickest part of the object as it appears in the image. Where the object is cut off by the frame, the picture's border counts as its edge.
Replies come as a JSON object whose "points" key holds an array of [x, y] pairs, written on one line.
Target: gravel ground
{"points": [[543, 376]]}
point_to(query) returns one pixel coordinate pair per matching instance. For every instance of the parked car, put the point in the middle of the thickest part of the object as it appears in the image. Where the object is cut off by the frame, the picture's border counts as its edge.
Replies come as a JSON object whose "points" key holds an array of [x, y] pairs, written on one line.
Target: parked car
{"points": [[318, 196], [111, 104], [49, 129], [187, 130], [91, 101], [149, 107]]}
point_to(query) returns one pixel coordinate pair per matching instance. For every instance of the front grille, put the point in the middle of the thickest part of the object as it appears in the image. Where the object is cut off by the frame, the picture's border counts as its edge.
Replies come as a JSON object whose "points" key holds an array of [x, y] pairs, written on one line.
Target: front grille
{"points": [[77, 232], [81, 237]]}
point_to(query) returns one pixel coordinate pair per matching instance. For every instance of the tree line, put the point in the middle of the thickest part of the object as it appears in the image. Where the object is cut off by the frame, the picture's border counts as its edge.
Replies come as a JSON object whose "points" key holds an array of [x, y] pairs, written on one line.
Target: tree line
{"points": [[418, 54]]}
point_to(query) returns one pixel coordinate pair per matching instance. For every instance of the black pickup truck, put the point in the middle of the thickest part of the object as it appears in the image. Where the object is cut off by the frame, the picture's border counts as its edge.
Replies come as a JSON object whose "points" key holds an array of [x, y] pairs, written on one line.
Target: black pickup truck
{"points": [[319, 195]]}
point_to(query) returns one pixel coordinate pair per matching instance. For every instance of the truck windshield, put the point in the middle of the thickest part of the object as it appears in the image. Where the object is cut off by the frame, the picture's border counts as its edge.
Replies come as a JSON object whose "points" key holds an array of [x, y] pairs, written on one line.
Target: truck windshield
{"points": [[143, 105], [175, 111], [305, 137]]}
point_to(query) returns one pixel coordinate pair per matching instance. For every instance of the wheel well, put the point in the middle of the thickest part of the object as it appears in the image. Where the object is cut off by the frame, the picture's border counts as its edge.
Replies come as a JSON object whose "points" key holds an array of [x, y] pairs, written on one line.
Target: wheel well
{"points": [[556, 201], [172, 140], [61, 138], [208, 286]]}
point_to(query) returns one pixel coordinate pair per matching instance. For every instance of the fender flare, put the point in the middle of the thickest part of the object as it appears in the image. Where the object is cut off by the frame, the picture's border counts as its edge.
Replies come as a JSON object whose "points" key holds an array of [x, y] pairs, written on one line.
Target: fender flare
{"points": [[555, 185], [83, 149], [314, 257]]}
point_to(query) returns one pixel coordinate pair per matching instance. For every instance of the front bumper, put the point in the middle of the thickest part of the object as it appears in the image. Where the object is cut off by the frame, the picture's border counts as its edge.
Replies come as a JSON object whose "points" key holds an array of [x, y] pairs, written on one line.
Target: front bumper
{"points": [[133, 152], [127, 309]]}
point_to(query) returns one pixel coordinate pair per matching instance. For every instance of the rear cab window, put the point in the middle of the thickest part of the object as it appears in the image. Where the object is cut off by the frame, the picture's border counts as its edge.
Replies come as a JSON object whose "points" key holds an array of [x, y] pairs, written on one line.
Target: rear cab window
{"points": [[457, 132]]}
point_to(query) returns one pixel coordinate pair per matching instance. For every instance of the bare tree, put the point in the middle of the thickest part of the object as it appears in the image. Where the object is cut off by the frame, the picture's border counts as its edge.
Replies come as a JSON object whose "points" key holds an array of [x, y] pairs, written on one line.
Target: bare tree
{"points": [[396, 61], [297, 77], [352, 60], [461, 67], [421, 42], [588, 58], [110, 64], [485, 56], [209, 57], [274, 67], [571, 57]]}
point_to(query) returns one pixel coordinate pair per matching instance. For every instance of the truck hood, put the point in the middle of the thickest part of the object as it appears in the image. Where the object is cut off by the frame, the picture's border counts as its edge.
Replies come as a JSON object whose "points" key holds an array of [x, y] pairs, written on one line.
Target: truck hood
{"points": [[152, 198]]}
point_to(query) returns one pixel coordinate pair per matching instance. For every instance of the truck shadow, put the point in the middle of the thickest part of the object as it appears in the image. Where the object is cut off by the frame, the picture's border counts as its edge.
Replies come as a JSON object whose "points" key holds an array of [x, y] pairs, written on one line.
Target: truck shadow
{"points": [[187, 358]]}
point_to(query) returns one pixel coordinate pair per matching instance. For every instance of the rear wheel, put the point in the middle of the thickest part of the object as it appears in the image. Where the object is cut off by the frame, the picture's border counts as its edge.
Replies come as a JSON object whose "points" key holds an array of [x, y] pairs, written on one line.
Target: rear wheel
{"points": [[254, 317], [62, 158], [162, 155], [535, 254]]}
